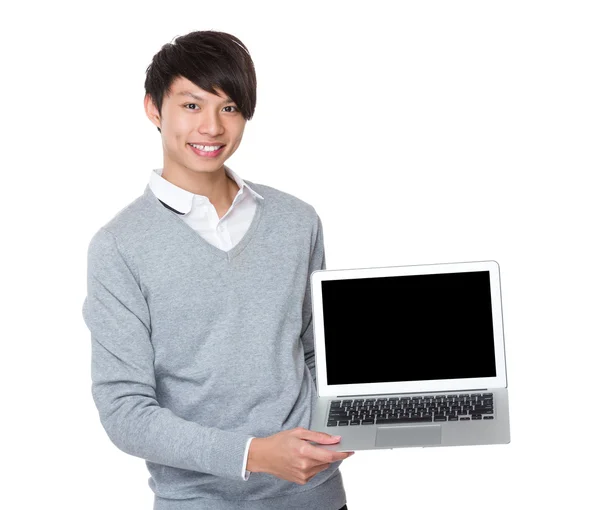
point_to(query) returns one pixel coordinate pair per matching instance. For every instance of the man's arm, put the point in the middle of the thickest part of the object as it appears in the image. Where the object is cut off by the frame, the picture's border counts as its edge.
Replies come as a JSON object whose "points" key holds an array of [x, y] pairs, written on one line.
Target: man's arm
{"points": [[317, 261], [123, 379]]}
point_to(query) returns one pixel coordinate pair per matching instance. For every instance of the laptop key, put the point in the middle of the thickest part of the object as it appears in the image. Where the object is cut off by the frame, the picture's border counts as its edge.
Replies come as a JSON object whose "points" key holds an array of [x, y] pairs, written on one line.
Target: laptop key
{"points": [[332, 423], [417, 419]]}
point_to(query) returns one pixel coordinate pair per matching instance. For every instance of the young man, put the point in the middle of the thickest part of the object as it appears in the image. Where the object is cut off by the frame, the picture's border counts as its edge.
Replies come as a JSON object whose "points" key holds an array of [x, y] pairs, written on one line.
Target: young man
{"points": [[199, 306]]}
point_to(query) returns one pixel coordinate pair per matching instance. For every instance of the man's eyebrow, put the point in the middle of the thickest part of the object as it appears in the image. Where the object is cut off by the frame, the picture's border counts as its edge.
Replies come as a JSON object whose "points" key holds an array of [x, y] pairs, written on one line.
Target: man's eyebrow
{"points": [[199, 98]]}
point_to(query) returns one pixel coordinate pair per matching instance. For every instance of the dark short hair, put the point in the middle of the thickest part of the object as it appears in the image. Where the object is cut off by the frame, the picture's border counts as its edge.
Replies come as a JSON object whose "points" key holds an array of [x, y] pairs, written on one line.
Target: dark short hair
{"points": [[210, 60]]}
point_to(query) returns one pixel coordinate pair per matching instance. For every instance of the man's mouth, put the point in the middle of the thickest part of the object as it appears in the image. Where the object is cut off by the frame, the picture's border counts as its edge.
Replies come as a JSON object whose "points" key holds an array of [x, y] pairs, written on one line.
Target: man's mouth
{"points": [[209, 151]]}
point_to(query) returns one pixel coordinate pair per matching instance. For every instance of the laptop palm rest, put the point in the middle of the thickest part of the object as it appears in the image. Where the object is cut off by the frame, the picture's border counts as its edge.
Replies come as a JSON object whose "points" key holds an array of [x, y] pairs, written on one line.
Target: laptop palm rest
{"points": [[408, 435]]}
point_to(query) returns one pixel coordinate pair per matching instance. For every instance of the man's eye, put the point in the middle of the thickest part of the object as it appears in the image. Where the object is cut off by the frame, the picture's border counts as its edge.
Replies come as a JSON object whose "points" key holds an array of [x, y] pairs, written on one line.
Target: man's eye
{"points": [[191, 104], [234, 107]]}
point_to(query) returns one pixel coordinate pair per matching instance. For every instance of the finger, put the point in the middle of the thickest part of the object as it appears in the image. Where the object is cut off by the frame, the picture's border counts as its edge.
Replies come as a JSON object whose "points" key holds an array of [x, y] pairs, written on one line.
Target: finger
{"points": [[323, 456], [317, 437], [317, 469]]}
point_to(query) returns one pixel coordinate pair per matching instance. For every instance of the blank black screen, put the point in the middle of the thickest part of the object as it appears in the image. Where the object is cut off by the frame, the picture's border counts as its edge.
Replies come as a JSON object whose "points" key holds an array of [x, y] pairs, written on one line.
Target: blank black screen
{"points": [[408, 328]]}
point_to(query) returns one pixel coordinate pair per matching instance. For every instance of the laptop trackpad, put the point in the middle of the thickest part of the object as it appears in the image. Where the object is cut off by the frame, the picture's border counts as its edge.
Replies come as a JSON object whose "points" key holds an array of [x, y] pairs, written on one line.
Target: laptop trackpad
{"points": [[410, 435]]}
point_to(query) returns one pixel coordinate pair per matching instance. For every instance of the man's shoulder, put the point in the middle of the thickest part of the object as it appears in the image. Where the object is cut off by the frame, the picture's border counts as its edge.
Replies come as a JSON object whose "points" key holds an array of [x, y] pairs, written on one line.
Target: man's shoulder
{"points": [[129, 222]]}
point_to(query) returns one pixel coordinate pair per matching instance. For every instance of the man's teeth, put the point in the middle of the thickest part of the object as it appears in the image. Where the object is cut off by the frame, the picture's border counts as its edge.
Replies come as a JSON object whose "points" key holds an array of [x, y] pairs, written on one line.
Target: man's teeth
{"points": [[206, 148]]}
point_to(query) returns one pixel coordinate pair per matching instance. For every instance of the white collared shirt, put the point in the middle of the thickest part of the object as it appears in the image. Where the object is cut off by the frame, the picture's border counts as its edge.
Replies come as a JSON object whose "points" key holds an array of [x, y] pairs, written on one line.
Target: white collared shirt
{"points": [[200, 214]]}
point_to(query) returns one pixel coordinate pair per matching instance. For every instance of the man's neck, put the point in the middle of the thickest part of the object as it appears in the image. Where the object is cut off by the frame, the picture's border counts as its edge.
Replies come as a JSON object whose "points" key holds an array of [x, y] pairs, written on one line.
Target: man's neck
{"points": [[217, 186]]}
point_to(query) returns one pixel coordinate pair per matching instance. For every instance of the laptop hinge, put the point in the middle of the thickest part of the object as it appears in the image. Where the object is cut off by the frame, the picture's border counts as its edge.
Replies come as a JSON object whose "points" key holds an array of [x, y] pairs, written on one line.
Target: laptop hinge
{"points": [[414, 393]]}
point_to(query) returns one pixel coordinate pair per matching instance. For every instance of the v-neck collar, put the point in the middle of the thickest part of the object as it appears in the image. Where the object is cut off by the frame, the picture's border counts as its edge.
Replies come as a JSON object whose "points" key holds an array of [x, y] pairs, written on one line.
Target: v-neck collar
{"points": [[208, 247]]}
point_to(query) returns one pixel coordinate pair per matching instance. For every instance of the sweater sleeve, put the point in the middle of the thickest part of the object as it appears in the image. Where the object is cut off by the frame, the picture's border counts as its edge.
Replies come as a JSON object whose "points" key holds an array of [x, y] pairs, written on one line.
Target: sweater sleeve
{"points": [[123, 379], [317, 261]]}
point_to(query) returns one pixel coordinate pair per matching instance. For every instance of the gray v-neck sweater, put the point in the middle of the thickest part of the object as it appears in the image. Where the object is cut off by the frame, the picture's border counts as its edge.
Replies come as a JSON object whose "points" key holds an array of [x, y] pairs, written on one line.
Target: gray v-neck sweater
{"points": [[195, 350]]}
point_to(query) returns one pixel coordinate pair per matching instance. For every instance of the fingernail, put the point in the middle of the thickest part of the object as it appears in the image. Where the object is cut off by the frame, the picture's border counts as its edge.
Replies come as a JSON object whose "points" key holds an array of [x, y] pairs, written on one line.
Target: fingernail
{"points": [[336, 437]]}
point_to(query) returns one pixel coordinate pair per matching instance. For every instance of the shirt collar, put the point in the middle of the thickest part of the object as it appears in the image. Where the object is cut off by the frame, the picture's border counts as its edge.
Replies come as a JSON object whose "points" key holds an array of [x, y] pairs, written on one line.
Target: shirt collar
{"points": [[180, 200]]}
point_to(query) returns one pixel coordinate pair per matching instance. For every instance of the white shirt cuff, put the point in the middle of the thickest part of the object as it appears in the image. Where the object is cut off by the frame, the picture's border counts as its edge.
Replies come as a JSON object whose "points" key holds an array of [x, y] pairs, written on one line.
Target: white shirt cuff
{"points": [[245, 472]]}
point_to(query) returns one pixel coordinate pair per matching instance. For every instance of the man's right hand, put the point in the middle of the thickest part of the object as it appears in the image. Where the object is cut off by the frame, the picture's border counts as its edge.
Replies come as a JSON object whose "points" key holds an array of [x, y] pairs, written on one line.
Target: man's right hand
{"points": [[289, 455]]}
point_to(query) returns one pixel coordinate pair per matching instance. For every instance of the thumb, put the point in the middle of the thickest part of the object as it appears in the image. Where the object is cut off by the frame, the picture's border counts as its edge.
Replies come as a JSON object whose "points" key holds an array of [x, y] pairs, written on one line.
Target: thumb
{"points": [[318, 437]]}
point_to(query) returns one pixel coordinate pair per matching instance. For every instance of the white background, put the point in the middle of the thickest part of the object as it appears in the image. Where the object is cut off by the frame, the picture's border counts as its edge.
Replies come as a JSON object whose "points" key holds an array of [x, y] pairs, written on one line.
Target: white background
{"points": [[421, 132]]}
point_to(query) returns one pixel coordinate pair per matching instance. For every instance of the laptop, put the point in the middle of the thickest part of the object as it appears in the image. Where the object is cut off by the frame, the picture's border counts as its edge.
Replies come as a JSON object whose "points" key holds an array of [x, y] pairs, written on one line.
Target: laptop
{"points": [[410, 356]]}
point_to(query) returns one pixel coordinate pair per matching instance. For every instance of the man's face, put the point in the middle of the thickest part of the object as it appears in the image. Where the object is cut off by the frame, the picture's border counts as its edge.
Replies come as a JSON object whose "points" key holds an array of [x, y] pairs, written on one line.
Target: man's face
{"points": [[207, 119]]}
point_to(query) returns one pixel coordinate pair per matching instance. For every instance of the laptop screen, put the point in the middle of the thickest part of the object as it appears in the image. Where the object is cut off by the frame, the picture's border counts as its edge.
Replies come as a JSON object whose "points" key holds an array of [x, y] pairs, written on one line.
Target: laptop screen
{"points": [[408, 328]]}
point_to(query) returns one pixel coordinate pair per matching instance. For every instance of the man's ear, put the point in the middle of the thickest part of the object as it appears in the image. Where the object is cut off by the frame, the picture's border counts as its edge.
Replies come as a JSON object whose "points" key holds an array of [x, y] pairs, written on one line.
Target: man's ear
{"points": [[151, 111]]}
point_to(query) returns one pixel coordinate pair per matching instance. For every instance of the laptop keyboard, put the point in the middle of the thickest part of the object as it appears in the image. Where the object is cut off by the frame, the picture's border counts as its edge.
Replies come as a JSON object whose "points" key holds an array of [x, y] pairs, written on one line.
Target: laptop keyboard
{"points": [[417, 409]]}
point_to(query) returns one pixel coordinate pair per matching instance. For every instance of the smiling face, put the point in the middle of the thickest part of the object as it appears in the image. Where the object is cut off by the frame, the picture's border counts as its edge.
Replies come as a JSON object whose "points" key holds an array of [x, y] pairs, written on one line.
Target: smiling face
{"points": [[191, 115]]}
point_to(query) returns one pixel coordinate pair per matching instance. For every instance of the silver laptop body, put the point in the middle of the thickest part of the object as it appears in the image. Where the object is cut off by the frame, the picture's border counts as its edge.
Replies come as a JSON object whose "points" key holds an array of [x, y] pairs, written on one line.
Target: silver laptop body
{"points": [[396, 344]]}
